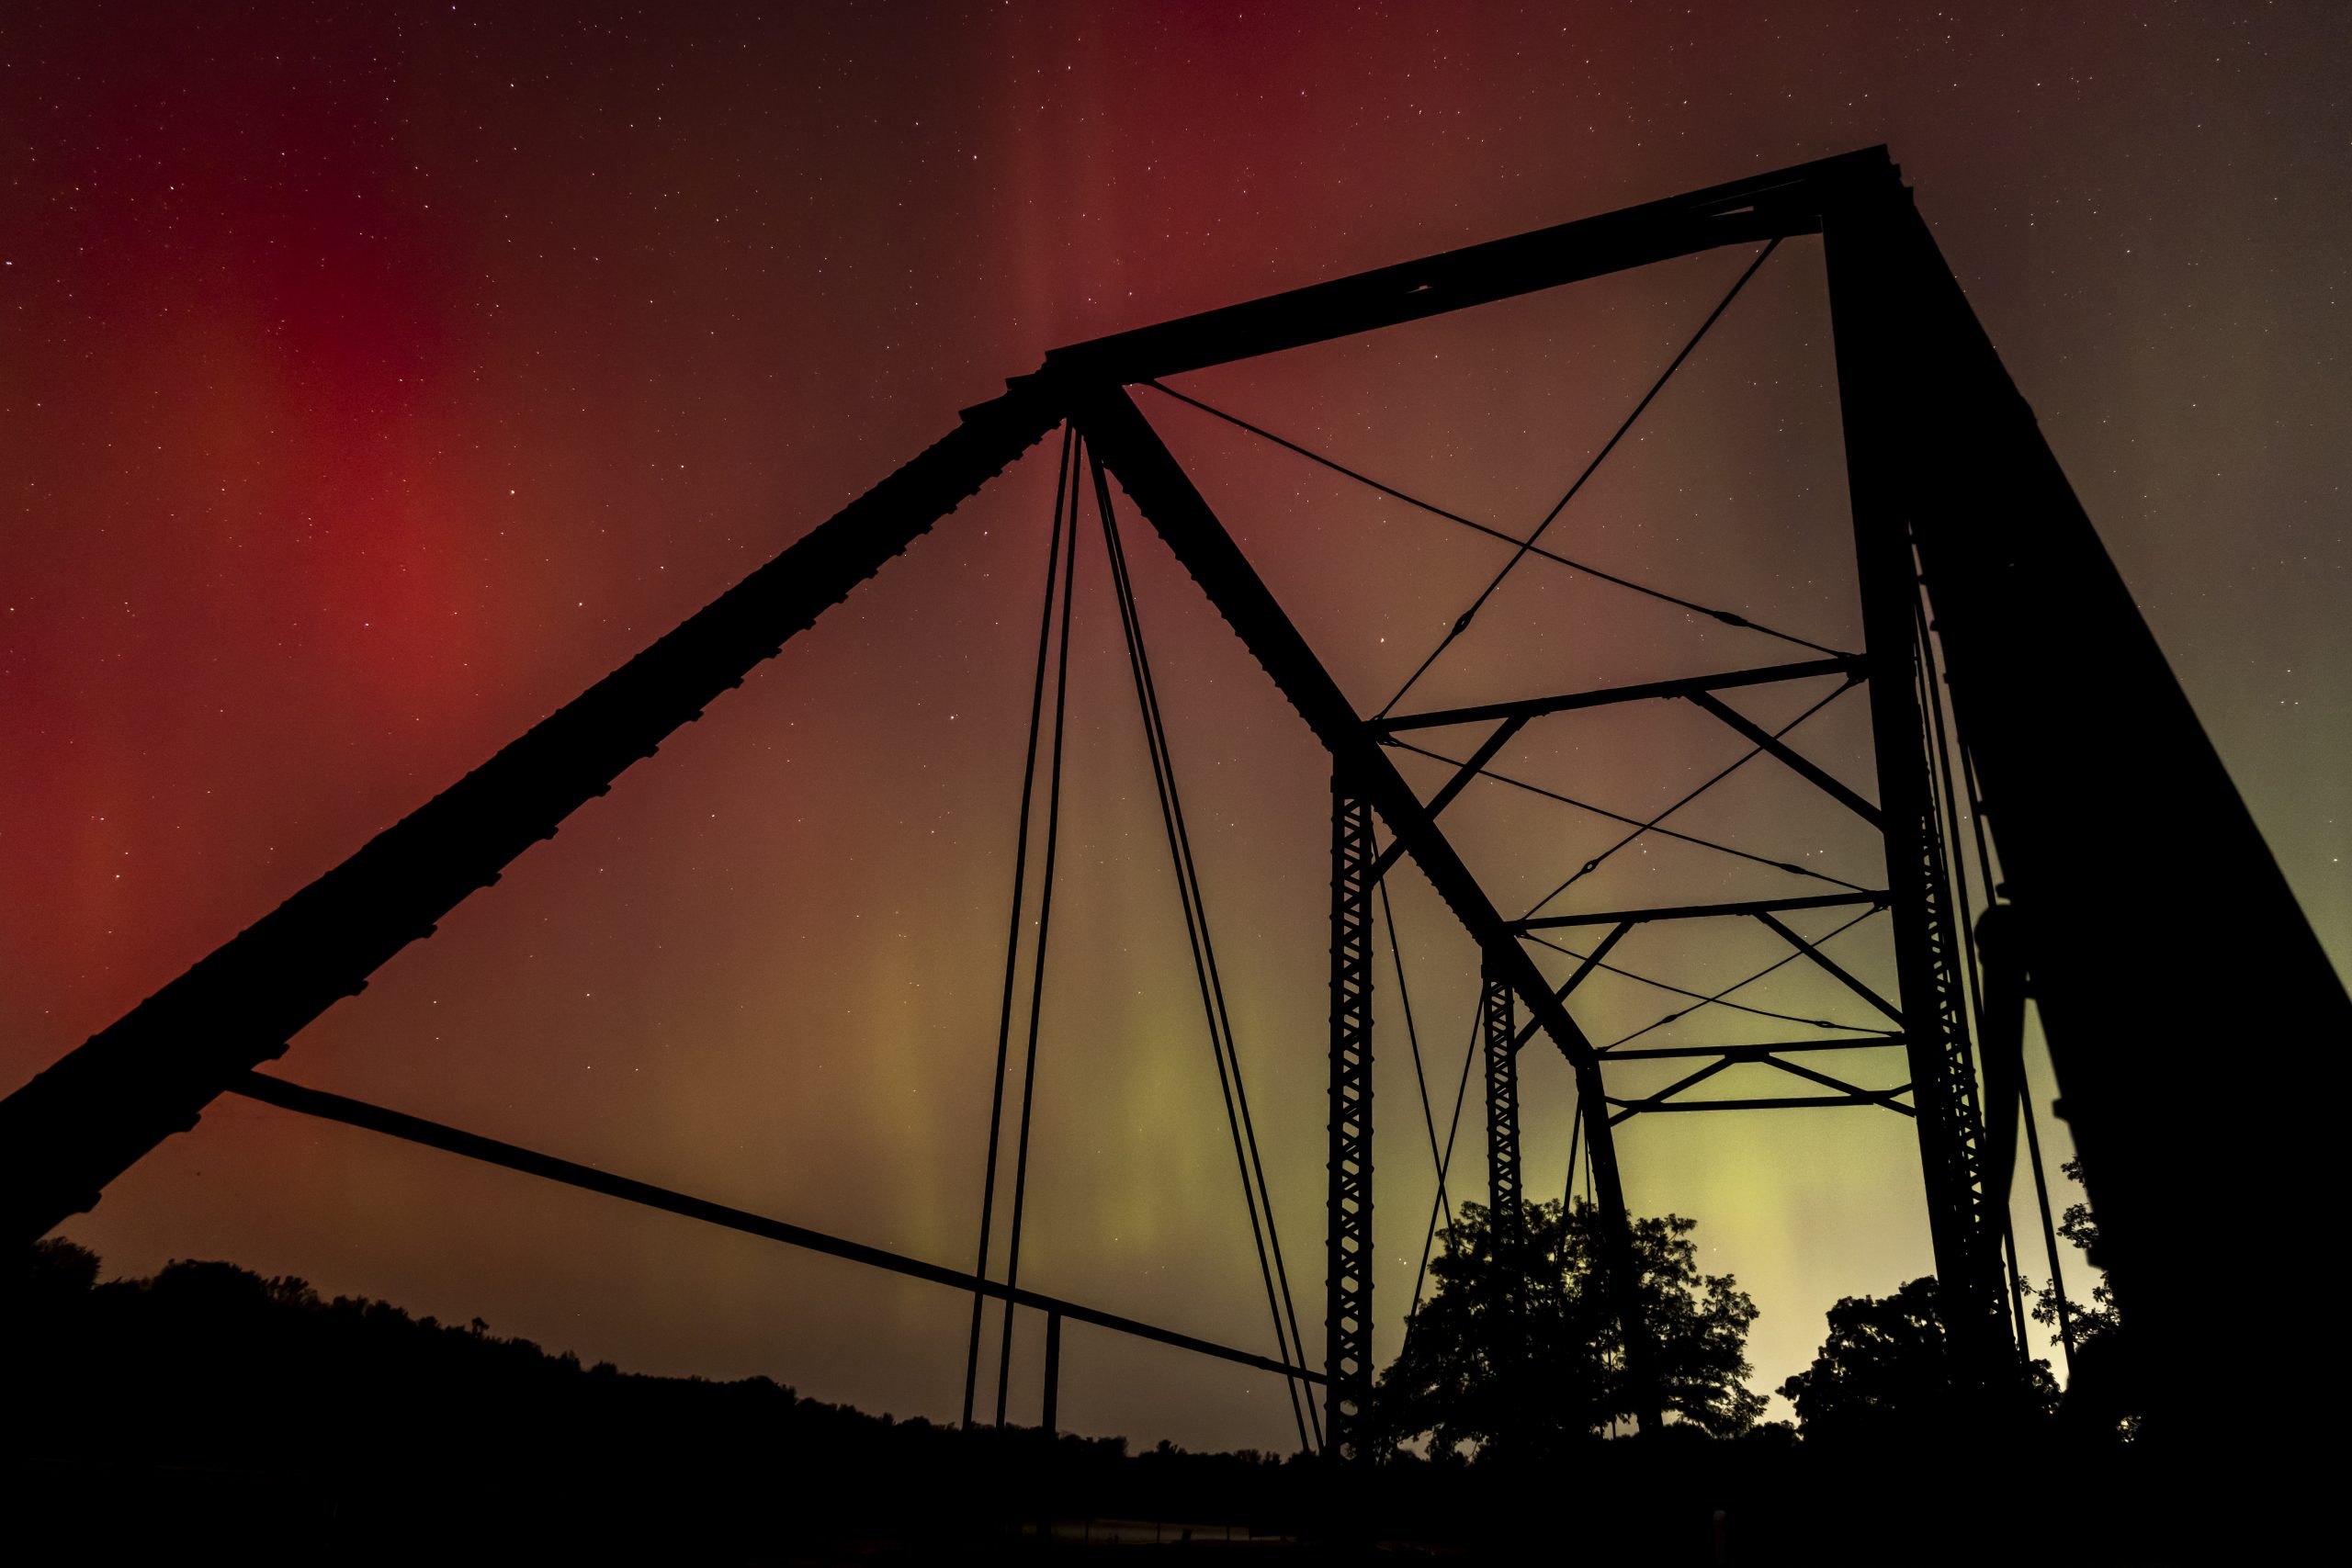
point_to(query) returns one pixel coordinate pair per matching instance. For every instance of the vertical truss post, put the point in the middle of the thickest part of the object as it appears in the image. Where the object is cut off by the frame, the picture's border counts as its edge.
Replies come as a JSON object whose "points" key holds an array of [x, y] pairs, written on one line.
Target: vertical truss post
{"points": [[1962, 1226], [1050, 1417], [1347, 1320], [1497, 1027]]}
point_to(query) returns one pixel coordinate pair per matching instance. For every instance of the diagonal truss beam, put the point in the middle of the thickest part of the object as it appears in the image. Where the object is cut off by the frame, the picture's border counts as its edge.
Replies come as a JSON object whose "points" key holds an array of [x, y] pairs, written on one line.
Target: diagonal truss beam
{"points": [[78, 1125], [1591, 962], [1453, 786], [1653, 1102], [1803, 766], [1830, 966], [1828, 1080]]}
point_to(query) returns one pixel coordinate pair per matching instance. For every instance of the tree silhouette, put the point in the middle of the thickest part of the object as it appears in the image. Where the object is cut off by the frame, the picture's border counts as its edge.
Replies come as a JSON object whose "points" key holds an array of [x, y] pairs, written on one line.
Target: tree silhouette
{"points": [[1517, 1352], [2099, 1396], [1885, 1373], [50, 1270], [2098, 1320]]}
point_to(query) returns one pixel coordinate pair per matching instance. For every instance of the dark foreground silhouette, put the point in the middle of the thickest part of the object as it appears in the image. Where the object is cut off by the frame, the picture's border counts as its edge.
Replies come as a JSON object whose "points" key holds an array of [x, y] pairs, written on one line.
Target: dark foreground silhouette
{"points": [[210, 1410]]}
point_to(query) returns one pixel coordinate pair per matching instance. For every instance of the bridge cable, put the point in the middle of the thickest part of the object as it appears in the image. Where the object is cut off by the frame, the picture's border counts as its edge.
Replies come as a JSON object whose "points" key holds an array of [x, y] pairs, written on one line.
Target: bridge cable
{"points": [[1748, 756], [1789, 866], [1206, 971], [1862, 1043], [1413, 1039], [1728, 617], [1587, 1171], [1255, 1193], [1013, 936], [1461, 1096], [1864, 1034], [1045, 926], [1462, 625], [1575, 1137]]}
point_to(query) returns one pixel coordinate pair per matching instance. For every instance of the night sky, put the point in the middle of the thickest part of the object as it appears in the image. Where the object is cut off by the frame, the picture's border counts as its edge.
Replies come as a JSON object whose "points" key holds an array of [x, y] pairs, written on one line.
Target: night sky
{"points": [[373, 378]]}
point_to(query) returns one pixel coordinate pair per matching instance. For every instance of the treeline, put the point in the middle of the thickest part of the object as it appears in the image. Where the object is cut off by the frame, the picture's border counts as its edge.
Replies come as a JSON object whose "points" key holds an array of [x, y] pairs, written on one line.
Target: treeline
{"points": [[209, 1404], [209, 1392]]}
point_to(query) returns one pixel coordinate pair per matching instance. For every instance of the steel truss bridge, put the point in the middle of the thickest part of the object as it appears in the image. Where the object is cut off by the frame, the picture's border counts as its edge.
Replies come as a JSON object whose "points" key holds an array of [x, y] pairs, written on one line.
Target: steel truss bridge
{"points": [[1979, 575]]}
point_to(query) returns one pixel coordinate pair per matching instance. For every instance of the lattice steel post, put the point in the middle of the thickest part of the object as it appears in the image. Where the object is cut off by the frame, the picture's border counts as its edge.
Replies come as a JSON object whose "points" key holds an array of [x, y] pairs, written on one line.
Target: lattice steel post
{"points": [[1962, 1222], [1347, 1322], [1499, 1027]]}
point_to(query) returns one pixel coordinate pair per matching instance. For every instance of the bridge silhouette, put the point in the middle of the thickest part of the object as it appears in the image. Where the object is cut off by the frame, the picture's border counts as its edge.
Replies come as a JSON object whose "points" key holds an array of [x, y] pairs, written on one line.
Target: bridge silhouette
{"points": [[2032, 765]]}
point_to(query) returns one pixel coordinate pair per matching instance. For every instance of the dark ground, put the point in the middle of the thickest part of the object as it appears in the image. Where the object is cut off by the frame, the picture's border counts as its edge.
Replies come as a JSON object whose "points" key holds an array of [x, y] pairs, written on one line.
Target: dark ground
{"points": [[209, 1410]]}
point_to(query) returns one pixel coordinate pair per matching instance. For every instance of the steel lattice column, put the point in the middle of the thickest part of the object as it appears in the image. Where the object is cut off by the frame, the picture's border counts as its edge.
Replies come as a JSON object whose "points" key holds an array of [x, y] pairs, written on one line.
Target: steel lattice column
{"points": [[1498, 1028], [1962, 1221], [1347, 1321]]}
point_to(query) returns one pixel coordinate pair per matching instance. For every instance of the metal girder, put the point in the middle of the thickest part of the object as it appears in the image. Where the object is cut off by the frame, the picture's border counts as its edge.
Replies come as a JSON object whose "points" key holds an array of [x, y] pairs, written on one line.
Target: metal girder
{"points": [[1536, 707], [1827, 965], [1504, 1192], [1764, 207], [1777, 1103], [1700, 912], [1347, 1277], [1828, 1081], [1651, 1101], [81, 1123], [1750, 1053], [1732, 1056], [1964, 1230], [1803, 766]]}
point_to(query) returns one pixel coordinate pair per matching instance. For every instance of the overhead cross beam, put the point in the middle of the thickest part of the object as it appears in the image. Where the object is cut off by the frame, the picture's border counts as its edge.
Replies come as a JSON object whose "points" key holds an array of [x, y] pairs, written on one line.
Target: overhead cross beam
{"points": [[1702, 911], [1765, 207]]}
